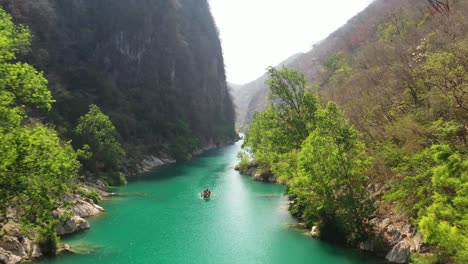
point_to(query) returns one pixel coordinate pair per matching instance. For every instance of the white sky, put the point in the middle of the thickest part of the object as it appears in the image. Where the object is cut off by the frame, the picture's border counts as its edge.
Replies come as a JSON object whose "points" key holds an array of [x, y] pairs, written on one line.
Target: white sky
{"points": [[256, 34]]}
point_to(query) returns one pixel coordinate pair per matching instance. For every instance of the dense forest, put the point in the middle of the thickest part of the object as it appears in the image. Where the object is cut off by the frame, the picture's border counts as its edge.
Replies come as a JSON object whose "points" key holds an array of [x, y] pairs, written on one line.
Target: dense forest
{"points": [[156, 68], [376, 128], [87, 90]]}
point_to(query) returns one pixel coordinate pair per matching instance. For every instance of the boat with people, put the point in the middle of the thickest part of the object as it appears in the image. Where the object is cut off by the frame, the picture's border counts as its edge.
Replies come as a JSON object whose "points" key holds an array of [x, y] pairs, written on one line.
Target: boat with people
{"points": [[206, 193]]}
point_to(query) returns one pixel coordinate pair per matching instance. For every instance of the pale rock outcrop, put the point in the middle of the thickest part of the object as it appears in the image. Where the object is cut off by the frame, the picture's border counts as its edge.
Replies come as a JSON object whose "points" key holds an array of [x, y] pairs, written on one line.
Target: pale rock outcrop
{"points": [[64, 249], [71, 225], [315, 232], [14, 246], [36, 252], [266, 177], [86, 208], [150, 162], [249, 170], [6, 257], [395, 239], [400, 252]]}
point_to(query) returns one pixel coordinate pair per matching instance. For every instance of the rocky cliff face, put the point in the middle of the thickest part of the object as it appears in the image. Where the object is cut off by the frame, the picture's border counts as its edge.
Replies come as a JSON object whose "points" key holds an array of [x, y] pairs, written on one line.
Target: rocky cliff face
{"points": [[154, 66]]}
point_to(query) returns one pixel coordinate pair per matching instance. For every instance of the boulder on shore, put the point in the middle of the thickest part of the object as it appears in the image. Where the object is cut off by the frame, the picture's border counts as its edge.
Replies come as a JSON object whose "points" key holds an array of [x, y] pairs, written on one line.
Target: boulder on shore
{"points": [[71, 225], [400, 252], [394, 239], [6, 257], [315, 232], [86, 207]]}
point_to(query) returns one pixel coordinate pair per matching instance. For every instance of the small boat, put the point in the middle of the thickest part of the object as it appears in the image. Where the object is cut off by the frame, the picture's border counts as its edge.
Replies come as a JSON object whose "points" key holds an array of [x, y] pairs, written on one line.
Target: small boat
{"points": [[206, 194]]}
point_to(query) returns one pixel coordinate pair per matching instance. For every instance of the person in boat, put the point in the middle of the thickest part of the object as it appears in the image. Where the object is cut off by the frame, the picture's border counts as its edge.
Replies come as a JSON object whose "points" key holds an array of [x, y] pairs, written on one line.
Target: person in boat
{"points": [[206, 193]]}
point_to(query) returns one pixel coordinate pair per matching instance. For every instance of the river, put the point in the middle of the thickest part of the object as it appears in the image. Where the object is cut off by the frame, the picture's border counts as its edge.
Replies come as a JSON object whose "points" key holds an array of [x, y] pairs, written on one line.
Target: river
{"points": [[160, 218]]}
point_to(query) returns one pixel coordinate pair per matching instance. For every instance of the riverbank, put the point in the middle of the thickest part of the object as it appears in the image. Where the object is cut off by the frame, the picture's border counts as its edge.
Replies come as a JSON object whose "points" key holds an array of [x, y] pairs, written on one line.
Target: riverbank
{"points": [[392, 236], [160, 217], [20, 243]]}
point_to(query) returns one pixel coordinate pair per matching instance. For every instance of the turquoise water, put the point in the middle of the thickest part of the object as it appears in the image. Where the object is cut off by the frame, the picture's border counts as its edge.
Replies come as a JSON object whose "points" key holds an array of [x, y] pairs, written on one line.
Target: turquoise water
{"points": [[160, 218]]}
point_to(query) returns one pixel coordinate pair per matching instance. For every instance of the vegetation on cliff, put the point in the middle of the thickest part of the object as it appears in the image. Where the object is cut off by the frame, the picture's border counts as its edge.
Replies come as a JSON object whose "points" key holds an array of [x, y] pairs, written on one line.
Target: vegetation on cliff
{"points": [[401, 80], [37, 168], [155, 67]]}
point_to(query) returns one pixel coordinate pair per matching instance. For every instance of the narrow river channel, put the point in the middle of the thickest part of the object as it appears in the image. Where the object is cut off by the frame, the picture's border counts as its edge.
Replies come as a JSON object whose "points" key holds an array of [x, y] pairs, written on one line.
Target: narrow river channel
{"points": [[160, 218]]}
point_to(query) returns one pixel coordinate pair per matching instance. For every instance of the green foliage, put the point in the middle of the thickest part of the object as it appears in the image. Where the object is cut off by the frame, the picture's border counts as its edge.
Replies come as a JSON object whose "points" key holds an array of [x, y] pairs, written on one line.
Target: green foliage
{"points": [[100, 153], [47, 239], [36, 166], [14, 38], [445, 221], [434, 191], [411, 194], [186, 141], [398, 25], [278, 132], [244, 160], [423, 259], [318, 153], [89, 193], [445, 75], [333, 164], [338, 67], [147, 91]]}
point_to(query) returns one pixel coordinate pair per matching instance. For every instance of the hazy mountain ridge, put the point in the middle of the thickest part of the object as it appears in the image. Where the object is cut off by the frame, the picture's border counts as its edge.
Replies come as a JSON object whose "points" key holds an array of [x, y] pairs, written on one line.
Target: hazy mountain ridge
{"points": [[355, 33]]}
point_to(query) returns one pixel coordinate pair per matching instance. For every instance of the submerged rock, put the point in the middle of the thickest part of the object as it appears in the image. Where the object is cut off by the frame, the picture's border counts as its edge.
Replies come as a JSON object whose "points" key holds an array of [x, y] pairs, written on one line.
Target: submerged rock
{"points": [[64, 249]]}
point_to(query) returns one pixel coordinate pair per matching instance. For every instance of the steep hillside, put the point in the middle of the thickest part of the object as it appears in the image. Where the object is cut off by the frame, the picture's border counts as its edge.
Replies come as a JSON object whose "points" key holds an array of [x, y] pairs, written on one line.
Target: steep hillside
{"points": [[394, 82], [358, 31], [155, 67]]}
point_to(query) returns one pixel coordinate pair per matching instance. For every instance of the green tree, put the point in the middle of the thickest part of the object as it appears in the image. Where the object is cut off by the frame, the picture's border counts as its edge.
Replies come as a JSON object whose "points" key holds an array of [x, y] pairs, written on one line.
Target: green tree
{"points": [[101, 153], [276, 134], [434, 191], [332, 178], [36, 167], [318, 153]]}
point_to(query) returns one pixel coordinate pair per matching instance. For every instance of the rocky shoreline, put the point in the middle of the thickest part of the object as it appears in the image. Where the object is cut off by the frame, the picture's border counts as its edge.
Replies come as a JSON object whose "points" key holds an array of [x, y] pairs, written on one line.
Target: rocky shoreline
{"points": [[251, 169], [150, 162], [16, 246], [393, 237]]}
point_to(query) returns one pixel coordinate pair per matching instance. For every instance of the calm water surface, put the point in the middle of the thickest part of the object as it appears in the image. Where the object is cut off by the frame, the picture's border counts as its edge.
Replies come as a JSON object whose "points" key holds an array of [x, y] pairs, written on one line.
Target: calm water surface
{"points": [[160, 218]]}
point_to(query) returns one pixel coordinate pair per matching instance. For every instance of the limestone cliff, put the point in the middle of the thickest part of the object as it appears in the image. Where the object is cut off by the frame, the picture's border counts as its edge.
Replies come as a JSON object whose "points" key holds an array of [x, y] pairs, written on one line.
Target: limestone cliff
{"points": [[154, 66]]}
